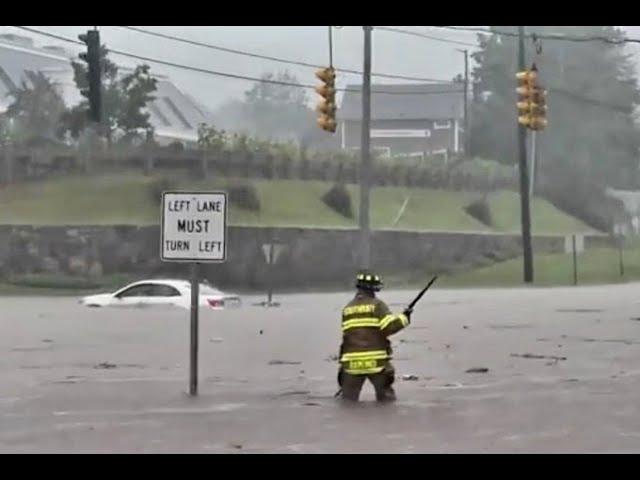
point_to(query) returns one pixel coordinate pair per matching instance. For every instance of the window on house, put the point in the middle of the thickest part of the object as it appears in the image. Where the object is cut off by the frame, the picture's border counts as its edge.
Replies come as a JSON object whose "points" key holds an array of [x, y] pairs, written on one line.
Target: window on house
{"points": [[156, 111], [177, 113], [5, 97], [31, 75], [6, 80], [442, 125]]}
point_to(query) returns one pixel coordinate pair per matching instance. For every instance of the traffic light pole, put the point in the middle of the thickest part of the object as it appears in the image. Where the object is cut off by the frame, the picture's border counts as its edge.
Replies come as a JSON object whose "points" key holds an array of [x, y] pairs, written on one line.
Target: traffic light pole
{"points": [[92, 57], [534, 161], [524, 180], [467, 133], [365, 165]]}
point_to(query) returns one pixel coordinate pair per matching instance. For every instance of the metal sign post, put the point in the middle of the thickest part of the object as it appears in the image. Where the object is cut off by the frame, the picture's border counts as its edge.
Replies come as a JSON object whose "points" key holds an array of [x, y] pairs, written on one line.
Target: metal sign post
{"points": [[193, 351], [272, 252], [621, 254], [575, 260], [270, 261], [194, 226]]}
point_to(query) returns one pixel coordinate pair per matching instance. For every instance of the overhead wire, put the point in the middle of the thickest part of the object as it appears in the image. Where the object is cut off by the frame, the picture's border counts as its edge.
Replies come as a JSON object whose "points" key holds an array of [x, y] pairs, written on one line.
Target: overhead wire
{"points": [[176, 38], [228, 74]]}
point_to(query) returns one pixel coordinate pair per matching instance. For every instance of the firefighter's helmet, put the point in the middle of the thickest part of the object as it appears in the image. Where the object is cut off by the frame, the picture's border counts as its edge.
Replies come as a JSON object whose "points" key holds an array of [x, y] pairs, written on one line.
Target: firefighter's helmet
{"points": [[368, 281]]}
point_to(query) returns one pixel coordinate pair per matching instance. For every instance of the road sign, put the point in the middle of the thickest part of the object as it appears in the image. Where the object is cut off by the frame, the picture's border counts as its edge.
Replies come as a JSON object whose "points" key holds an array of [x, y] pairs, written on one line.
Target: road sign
{"points": [[194, 227], [272, 252], [569, 244]]}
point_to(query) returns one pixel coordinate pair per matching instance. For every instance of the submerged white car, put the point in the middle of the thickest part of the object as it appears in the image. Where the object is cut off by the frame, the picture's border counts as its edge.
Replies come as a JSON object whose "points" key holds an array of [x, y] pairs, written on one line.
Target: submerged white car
{"points": [[176, 293]]}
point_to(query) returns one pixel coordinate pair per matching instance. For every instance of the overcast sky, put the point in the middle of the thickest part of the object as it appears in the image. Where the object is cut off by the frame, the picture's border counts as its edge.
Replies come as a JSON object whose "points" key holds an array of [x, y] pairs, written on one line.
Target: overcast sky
{"points": [[394, 53]]}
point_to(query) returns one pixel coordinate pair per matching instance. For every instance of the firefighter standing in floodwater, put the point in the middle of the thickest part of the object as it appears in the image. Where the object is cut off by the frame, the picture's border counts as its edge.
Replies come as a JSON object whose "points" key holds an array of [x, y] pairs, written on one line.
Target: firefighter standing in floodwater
{"points": [[366, 352]]}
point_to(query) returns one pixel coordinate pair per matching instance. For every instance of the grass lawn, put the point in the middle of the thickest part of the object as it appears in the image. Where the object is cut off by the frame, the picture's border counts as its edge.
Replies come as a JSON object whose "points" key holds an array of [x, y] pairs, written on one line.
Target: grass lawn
{"points": [[505, 209], [126, 198], [596, 266]]}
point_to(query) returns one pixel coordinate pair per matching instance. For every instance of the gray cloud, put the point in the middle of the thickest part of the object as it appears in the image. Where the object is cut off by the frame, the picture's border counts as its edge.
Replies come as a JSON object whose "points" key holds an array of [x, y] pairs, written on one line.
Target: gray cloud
{"points": [[393, 53]]}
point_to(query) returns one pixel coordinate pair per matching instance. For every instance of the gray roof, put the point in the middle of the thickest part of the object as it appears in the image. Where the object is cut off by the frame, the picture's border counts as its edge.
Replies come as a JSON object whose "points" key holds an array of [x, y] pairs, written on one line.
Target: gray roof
{"points": [[173, 114], [437, 101], [15, 60]]}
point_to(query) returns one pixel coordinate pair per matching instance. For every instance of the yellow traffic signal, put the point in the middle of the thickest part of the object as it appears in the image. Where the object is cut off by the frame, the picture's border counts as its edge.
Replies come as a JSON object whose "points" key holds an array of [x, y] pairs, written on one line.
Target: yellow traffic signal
{"points": [[526, 85], [327, 105], [533, 123], [539, 109], [532, 103]]}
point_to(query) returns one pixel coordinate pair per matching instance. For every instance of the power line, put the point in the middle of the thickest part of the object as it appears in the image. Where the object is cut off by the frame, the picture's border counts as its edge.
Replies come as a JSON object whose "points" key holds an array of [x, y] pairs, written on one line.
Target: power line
{"points": [[562, 91], [559, 90], [628, 108], [268, 57], [226, 74], [423, 35], [548, 36], [568, 93], [574, 96]]}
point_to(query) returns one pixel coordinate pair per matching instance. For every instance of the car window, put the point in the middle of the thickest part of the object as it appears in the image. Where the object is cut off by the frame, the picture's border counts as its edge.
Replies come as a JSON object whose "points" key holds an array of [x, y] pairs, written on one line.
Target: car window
{"points": [[164, 291], [137, 291]]}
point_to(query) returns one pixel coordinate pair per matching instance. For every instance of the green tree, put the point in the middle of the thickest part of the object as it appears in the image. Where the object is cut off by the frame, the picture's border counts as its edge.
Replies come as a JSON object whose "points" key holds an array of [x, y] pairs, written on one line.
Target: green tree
{"points": [[211, 139], [277, 111], [592, 94], [137, 89], [5, 131], [124, 99], [36, 109], [272, 94], [76, 119]]}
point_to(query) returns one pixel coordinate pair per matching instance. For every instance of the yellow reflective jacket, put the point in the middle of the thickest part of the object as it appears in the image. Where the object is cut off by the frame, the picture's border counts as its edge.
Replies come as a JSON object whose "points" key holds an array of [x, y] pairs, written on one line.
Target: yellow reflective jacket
{"points": [[367, 323]]}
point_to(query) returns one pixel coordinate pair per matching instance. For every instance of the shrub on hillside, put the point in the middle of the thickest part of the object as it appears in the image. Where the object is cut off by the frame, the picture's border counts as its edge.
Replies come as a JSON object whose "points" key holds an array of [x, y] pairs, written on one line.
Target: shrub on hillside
{"points": [[582, 198], [338, 199], [244, 196], [481, 211]]}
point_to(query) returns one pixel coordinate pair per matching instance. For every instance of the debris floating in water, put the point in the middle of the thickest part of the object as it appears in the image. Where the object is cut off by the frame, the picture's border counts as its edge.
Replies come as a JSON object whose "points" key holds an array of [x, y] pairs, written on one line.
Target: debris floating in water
{"points": [[477, 370], [105, 365], [538, 357], [283, 362]]}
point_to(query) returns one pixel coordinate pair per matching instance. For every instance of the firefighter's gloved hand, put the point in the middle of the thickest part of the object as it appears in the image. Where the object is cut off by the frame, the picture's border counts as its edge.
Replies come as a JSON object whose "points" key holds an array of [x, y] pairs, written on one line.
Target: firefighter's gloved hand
{"points": [[407, 312]]}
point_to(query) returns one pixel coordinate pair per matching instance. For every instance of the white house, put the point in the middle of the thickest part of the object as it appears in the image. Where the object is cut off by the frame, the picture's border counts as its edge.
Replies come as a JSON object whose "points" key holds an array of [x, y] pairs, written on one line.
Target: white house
{"points": [[173, 114]]}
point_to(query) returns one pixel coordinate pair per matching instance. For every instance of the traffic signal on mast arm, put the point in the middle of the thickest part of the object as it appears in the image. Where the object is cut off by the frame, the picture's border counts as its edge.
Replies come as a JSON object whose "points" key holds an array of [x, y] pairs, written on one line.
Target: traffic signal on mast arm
{"points": [[327, 105], [539, 109], [532, 103], [92, 58]]}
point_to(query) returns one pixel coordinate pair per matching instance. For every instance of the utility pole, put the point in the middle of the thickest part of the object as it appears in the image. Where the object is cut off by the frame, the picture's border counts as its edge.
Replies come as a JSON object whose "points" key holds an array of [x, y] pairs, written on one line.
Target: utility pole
{"points": [[467, 133], [365, 164], [524, 180]]}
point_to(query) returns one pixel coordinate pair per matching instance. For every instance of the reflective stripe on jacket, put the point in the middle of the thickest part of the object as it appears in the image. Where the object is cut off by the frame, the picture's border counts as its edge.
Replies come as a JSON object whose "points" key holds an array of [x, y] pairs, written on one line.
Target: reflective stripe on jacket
{"points": [[366, 324]]}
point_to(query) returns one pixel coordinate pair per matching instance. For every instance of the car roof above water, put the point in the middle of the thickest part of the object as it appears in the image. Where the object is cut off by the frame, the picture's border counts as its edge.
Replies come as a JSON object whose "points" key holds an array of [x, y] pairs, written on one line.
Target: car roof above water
{"points": [[177, 283], [165, 281]]}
